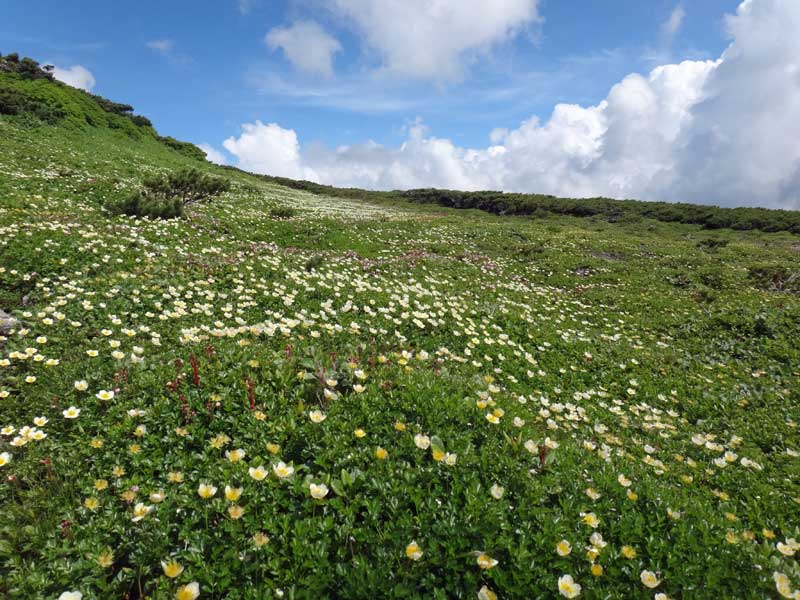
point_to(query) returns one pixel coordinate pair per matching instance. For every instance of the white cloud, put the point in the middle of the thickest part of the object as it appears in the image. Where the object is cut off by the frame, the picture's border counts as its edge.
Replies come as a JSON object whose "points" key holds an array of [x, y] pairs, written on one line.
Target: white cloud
{"points": [[167, 48], [434, 39], [245, 6], [268, 149], [306, 45], [77, 76], [212, 154], [723, 132], [672, 25], [161, 46]]}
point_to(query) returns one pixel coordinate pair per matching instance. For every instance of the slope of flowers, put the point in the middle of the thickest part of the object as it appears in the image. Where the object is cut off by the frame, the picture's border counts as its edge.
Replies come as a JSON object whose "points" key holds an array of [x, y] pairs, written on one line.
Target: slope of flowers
{"points": [[371, 401]]}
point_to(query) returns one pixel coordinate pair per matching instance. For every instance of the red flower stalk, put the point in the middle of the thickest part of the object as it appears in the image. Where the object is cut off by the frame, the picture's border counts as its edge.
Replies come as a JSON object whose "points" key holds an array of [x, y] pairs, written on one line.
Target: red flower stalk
{"points": [[195, 374], [251, 393]]}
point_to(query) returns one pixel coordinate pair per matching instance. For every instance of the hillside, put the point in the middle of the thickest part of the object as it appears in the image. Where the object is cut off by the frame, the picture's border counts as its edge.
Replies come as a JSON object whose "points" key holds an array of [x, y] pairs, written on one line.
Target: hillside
{"points": [[348, 394]]}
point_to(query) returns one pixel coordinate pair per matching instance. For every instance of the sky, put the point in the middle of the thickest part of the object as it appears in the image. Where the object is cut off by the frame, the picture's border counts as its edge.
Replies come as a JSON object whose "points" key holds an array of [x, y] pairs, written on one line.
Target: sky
{"points": [[694, 101]]}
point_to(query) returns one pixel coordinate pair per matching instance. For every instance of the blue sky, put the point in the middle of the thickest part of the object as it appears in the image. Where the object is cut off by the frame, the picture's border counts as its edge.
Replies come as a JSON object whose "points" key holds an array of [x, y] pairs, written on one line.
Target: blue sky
{"points": [[207, 84], [662, 100]]}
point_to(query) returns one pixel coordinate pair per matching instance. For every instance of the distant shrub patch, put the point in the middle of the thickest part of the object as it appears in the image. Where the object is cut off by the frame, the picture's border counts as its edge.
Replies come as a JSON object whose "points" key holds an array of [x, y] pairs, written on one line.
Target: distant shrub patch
{"points": [[15, 102], [282, 212], [167, 196]]}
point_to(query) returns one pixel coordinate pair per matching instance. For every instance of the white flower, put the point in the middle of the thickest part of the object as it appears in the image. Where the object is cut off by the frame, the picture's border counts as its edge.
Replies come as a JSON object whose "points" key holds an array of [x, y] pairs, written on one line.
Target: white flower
{"points": [[5, 458], [422, 442], [596, 539], [317, 416], [568, 587], [81, 386], [497, 491], [140, 511], [71, 413], [70, 596], [318, 491], [258, 473], [649, 579], [283, 470], [105, 395]]}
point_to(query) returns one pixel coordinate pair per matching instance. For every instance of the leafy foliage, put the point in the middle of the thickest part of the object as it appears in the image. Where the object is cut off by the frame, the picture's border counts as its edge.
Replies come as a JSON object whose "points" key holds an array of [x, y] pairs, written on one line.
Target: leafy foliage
{"points": [[17, 102], [166, 196], [187, 149], [457, 393]]}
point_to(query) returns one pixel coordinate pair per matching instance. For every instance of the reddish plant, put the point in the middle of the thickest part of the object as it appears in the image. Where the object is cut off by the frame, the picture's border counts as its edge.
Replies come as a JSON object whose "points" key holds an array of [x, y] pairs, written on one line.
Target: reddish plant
{"points": [[251, 393], [195, 372]]}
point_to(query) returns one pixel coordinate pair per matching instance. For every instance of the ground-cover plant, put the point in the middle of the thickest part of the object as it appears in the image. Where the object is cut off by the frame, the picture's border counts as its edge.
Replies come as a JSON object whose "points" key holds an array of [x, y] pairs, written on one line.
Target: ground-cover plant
{"points": [[381, 399]]}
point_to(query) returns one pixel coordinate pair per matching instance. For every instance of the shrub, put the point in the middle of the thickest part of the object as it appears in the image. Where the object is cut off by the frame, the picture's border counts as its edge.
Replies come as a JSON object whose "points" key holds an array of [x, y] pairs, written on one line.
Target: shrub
{"points": [[15, 102], [188, 149], [141, 204], [167, 196], [282, 212]]}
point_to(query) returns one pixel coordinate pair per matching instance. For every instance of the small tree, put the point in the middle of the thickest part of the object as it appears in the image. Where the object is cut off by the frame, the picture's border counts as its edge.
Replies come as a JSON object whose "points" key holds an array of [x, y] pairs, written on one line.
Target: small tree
{"points": [[167, 196]]}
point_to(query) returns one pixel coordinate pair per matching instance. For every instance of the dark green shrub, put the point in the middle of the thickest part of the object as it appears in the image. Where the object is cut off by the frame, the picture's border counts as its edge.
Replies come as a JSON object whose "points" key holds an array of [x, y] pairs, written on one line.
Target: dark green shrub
{"points": [[25, 67], [140, 204], [186, 148], [167, 196], [282, 212], [712, 244], [315, 261], [141, 121], [15, 102]]}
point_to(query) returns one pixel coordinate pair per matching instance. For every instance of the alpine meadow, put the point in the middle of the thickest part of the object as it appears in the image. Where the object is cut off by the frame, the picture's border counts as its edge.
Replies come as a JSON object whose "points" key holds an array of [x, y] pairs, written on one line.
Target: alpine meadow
{"points": [[218, 384]]}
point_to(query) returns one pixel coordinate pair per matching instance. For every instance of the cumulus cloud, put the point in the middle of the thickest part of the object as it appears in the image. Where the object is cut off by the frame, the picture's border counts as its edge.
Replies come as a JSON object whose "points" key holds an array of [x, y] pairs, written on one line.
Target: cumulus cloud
{"points": [[268, 149], [77, 76], [723, 132], [212, 154], [306, 45], [420, 39]]}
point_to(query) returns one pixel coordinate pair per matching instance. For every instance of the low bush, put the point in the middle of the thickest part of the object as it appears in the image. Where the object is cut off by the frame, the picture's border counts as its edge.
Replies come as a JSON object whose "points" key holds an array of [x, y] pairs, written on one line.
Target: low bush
{"points": [[16, 102], [167, 196], [282, 212]]}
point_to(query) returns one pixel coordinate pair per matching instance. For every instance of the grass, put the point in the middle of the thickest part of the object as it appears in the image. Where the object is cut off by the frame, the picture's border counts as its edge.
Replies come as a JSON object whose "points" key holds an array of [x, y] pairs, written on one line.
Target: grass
{"points": [[489, 385]]}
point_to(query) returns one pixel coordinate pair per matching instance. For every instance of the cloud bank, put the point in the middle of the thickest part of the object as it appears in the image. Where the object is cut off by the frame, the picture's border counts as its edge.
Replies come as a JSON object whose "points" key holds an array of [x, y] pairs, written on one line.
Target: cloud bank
{"points": [[725, 132]]}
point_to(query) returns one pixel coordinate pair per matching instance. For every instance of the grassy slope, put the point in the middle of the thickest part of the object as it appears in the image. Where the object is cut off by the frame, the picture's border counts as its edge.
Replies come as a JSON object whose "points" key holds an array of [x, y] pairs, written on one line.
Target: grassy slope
{"points": [[628, 339]]}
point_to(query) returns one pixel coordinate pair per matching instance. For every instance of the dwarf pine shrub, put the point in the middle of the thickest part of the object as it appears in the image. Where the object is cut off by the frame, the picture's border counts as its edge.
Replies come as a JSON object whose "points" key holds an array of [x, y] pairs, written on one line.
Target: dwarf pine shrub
{"points": [[166, 196]]}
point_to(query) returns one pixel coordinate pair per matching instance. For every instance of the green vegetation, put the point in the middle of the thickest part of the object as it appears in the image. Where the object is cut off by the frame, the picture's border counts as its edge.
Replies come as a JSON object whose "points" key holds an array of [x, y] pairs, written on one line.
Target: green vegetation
{"points": [[542, 205], [167, 196], [289, 394], [29, 90]]}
